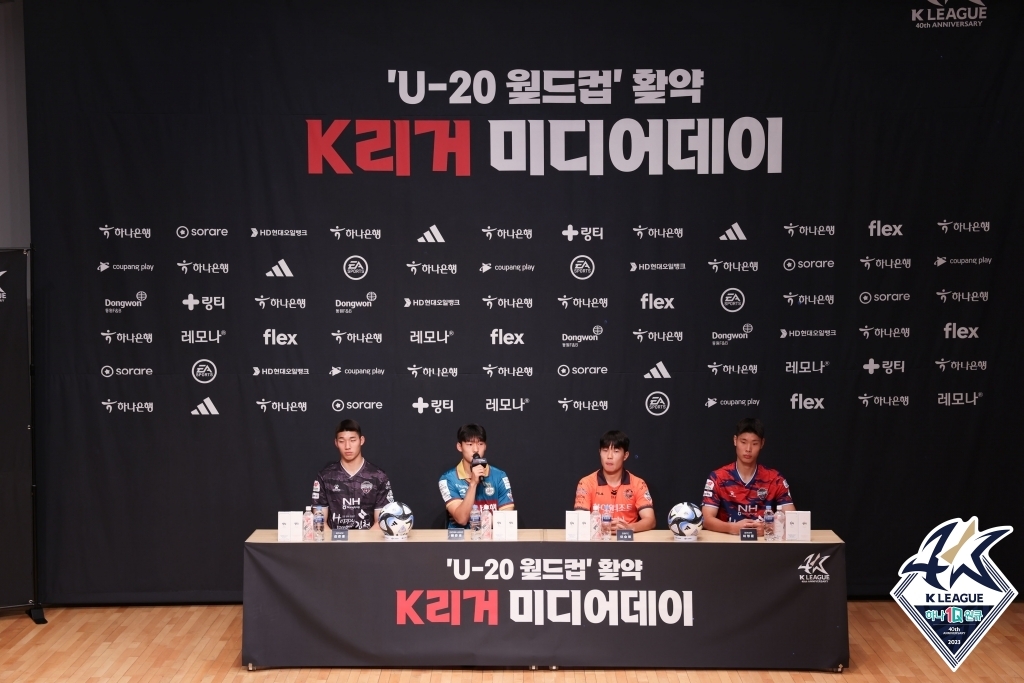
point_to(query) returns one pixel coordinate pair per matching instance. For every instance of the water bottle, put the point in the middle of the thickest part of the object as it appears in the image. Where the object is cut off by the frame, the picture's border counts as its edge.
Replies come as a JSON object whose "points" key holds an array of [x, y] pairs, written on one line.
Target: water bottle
{"points": [[595, 524], [486, 523], [606, 522], [780, 525], [769, 524], [307, 524], [474, 523], [318, 523]]}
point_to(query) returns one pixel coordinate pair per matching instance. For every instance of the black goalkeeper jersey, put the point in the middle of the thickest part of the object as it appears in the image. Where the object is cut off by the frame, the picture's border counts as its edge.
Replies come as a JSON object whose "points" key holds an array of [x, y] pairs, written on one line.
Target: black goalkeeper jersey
{"points": [[351, 499]]}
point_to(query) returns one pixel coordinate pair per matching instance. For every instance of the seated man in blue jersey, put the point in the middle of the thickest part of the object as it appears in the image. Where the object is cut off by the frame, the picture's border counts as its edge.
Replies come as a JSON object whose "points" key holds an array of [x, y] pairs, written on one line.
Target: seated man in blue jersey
{"points": [[468, 484], [353, 489], [735, 495]]}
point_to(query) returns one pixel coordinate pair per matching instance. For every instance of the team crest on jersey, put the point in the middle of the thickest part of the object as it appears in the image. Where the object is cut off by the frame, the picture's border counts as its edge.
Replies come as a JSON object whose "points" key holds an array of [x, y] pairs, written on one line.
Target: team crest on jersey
{"points": [[337, 488], [629, 494], [952, 590], [488, 489], [366, 487], [762, 494]]}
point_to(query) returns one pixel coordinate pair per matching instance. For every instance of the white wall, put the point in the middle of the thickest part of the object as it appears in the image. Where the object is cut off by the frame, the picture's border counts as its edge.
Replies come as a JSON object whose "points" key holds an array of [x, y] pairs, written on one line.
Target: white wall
{"points": [[14, 213]]}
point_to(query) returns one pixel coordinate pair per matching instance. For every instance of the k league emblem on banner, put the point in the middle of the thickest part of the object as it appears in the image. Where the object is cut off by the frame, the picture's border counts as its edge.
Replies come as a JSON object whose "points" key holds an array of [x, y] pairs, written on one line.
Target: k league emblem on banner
{"points": [[952, 590]]}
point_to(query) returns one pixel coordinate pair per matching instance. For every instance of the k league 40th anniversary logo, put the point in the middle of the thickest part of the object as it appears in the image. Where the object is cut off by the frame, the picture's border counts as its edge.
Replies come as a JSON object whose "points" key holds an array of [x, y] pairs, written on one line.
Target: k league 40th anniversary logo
{"points": [[952, 590]]}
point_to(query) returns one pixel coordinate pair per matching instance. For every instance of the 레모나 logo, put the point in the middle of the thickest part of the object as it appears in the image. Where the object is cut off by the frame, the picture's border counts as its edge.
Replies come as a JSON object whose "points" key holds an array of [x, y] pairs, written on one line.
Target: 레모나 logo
{"points": [[952, 590]]}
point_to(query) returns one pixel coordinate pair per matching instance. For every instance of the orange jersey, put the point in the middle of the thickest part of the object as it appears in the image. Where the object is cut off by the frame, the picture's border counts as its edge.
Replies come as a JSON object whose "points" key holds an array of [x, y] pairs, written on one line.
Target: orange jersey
{"points": [[627, 499]]}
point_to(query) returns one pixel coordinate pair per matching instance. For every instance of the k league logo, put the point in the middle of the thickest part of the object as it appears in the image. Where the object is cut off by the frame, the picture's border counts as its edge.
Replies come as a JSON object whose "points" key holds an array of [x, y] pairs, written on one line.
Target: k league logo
{"points": [[952, 590]]}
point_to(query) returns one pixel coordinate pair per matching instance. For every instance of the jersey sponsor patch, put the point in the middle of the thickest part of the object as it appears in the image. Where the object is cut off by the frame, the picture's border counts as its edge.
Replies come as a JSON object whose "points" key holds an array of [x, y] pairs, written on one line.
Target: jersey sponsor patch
{"points": [[785, 483], [647, 496], [708, 494], [391, 496], [316, 485], [709, 485], [580, 491], [445, 493]]}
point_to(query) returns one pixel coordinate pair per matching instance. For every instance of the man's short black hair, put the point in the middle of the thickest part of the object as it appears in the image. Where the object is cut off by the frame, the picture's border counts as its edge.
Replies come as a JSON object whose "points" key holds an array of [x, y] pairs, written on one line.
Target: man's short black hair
{"points": [[615, 439], [348, 426], [750, 425], [472, 432]]}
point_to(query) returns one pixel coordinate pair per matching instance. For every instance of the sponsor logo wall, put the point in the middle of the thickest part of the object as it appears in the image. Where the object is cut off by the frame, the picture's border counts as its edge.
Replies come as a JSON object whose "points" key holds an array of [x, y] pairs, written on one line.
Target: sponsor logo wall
{"points": [[458, 259]]}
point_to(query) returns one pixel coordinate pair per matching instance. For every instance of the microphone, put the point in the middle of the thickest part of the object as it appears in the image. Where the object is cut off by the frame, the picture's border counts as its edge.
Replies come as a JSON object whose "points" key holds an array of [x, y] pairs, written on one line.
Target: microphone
{"points": [[478, 460]]}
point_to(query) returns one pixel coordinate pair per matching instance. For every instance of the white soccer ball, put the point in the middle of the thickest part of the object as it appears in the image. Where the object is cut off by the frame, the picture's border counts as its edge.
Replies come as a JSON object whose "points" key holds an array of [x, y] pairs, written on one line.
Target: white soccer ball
{"points": [[685, 520], [396, 520]]}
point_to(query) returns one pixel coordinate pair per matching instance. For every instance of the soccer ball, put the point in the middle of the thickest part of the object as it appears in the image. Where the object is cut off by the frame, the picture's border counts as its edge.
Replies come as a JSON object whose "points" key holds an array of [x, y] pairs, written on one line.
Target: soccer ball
{"points": [[396, 521], [685, 520]]}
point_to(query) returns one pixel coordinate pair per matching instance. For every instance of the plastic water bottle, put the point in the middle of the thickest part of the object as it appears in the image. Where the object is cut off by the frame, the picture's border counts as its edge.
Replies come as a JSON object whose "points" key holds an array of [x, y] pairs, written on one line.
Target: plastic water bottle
{"points": [[769, 524], [780, 525], [606, 522], [474, 523], [595, 524], [486, 524], [307, 525], [318, 523]]}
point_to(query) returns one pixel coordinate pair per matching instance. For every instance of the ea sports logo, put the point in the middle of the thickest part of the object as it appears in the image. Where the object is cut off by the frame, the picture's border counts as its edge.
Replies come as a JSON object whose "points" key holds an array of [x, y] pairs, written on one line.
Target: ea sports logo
{"points": [[204, 371], [732, 300], [657, 403], [355, 267], [581, 267]]}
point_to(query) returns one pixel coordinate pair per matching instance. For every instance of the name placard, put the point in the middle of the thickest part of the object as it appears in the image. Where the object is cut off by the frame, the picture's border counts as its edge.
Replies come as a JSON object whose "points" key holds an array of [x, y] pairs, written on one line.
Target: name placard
{"points": [[748, 534], [624, 535], [339, 534], [456, 534]]}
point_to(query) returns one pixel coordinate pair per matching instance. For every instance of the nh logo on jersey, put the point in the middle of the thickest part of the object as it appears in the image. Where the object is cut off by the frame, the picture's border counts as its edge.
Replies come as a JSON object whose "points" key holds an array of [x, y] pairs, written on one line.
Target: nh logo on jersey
{"points": [[431, 235], [952, 590]]}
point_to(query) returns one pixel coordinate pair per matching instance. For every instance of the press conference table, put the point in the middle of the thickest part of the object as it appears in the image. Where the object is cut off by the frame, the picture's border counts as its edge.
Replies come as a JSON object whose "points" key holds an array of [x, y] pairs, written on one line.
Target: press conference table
{"points": [[717, 602]]}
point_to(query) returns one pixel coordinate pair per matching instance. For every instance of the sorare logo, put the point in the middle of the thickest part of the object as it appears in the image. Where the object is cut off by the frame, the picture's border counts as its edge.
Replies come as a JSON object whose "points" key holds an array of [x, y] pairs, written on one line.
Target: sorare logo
{"points": [[952, 590]]}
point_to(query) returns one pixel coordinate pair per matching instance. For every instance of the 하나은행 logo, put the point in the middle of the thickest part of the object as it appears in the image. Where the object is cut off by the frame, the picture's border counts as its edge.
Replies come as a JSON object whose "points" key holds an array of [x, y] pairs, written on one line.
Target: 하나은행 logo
{"points": [[952, 590]]}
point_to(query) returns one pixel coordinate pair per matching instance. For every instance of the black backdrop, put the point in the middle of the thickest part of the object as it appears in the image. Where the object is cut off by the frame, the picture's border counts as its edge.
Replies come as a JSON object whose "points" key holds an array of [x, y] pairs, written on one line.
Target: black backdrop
{"points": [[16, 579], [147, 120]]}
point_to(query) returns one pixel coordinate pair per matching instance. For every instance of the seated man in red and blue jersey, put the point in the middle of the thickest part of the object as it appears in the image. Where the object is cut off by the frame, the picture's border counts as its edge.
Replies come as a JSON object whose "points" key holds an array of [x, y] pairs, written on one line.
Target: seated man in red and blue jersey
{"points": [[735, 495], [472, 482]]}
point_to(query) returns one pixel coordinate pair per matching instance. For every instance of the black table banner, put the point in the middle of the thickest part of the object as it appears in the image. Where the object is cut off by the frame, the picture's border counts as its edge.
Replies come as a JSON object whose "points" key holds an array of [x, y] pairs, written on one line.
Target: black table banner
{"points": [[714, 605]]}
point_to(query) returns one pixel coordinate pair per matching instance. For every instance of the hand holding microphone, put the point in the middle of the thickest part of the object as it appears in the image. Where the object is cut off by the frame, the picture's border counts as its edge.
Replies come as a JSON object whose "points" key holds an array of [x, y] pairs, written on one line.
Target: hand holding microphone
{"points": [[478, 467]]}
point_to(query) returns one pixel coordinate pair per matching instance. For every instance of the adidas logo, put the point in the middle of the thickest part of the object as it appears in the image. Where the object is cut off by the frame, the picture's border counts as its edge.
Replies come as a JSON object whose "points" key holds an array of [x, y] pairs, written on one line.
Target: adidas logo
{"points": [[431, 235], [206, 408], [658, 372], [734, 233], [280, 270]]}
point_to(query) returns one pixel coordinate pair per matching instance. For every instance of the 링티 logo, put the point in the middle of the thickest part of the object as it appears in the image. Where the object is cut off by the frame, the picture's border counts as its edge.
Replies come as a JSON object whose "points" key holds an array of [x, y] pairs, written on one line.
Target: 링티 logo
{"points": [[952, 590]]}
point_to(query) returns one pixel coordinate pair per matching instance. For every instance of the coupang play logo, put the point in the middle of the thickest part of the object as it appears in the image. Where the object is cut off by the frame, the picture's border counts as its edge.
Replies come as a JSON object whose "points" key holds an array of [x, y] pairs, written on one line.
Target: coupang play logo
{"points": [[952, 590]]}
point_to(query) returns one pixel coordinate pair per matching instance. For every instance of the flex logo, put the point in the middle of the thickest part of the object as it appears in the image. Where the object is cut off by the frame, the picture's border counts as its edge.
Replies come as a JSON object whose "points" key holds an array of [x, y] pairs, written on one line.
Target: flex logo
{"points": [[798, 402], [649, 301], [952, 590], [954, 331], [509, 338], [275, 338], [877, 229]]}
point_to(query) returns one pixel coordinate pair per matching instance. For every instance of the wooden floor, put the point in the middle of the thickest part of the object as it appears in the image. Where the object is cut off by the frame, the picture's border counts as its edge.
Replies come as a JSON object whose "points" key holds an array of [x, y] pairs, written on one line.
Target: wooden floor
{"points": [[186, 644]]}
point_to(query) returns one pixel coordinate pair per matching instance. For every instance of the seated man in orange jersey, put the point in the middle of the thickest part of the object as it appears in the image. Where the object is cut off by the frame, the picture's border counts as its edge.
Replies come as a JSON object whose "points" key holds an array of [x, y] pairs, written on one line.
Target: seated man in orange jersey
{"points": [[631, 504]]}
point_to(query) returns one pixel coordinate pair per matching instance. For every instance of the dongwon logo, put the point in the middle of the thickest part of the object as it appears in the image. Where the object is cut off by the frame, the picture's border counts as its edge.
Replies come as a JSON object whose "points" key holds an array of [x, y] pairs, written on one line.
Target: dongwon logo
{"points": [[952, 590]]}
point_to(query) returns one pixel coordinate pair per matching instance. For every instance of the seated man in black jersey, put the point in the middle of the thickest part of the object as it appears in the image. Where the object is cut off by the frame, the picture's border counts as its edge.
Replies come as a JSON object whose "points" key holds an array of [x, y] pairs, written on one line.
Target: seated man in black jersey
{"points": [[353, 490]]}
